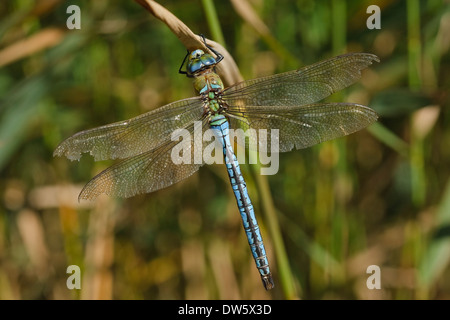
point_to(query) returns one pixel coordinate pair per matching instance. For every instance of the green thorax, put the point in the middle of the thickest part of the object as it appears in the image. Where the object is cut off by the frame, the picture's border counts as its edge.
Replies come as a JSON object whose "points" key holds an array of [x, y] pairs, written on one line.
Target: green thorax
{"points": [[200, 66], [210, 85]]}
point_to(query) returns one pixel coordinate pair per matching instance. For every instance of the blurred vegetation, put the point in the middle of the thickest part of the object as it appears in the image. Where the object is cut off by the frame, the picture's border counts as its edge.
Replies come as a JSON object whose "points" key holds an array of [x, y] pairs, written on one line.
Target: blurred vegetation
{"points": [[378, 197]]}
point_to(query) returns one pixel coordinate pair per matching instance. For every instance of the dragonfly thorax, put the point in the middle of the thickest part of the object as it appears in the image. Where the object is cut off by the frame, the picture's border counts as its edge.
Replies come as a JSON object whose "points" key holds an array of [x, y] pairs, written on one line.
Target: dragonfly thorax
{"points": [[210, 86], [206, 82]]}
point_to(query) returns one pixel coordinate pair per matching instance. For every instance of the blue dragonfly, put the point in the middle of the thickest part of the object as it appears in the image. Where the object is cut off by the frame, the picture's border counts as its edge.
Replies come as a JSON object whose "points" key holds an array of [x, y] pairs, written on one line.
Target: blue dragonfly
{"points": [[285, 101]]}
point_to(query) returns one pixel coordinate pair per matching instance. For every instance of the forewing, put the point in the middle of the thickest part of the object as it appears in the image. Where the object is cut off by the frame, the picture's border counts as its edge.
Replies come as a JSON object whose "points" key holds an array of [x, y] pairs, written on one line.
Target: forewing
{"points": [[127, 138], [300, 87]]}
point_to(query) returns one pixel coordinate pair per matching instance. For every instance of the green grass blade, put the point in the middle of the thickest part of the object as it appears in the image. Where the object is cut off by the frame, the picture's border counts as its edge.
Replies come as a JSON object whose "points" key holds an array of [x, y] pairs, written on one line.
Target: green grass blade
{"points": [[437, 257], [389, 138], [213, 21]]}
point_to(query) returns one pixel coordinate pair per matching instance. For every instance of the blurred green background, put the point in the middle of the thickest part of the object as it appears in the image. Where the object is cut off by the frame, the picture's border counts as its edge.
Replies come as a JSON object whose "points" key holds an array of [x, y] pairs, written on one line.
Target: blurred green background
{"points": [[377, 197]]}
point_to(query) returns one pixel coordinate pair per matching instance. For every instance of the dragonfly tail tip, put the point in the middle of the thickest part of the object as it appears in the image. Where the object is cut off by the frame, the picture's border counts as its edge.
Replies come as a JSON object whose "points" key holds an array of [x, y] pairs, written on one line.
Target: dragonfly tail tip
{"points": [[268, 281]]}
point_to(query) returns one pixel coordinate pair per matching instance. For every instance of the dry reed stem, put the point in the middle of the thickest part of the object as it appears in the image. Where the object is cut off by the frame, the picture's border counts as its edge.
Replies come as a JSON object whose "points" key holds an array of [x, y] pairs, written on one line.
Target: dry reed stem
{"points": [[227, 69]]}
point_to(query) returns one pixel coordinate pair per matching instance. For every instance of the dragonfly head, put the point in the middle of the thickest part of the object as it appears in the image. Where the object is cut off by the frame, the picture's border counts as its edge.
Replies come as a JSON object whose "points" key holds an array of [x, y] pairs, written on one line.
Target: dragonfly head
{"points": [[198, 61]]}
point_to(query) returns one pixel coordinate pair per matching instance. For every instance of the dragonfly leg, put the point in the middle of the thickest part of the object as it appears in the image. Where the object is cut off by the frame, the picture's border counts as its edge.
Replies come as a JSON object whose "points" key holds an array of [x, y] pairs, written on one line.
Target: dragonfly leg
{"points": [[219, 57]]}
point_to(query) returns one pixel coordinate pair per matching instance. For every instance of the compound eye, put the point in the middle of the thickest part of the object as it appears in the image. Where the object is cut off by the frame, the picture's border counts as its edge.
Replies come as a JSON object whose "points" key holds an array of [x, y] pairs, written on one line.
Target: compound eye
{"points": [[197, 54]]}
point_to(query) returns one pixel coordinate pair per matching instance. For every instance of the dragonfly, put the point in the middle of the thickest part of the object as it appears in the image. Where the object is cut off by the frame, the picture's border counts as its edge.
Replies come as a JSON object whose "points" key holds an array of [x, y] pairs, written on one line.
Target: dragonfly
{"points": [[287, 101]]}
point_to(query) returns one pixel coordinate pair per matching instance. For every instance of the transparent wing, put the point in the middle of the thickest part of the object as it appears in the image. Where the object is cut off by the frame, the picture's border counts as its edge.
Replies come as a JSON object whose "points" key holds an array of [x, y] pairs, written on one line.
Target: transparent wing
{"points": [[300, 127], [134, 136], [304, 86], [148, 171]]}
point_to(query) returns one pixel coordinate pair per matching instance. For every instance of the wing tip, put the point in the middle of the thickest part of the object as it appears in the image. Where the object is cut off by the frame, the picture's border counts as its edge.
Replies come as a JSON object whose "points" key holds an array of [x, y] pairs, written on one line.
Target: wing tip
{"points": [[369, 56], [59, 150], [87, 194], [63, 150], [372, 57], [374, 116], [56, 153]]}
